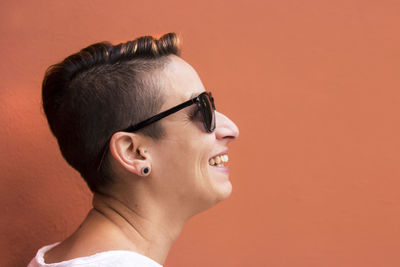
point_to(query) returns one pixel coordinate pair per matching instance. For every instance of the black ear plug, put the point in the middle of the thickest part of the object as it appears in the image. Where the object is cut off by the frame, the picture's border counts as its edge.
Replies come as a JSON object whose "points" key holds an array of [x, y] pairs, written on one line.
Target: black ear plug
{"points": [[145, 170]]}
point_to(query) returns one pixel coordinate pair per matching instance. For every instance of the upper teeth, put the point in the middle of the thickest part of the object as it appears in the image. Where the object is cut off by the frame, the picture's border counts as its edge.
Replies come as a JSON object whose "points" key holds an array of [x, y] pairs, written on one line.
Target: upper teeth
{"points": [[219, 160]]}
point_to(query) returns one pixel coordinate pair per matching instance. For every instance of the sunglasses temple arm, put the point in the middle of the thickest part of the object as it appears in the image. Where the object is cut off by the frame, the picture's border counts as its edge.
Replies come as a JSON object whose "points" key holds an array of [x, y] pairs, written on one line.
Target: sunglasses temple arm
{"points": [[160, 116]]}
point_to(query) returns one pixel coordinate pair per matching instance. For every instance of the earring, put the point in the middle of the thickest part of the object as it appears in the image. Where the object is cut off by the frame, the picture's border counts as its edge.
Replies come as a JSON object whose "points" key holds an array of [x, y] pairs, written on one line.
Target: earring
{"points": [[145, 170]]}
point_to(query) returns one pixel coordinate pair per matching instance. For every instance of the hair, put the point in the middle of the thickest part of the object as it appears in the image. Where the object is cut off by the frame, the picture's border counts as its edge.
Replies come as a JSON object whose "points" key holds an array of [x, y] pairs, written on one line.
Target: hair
{"points": [[100, 90]]}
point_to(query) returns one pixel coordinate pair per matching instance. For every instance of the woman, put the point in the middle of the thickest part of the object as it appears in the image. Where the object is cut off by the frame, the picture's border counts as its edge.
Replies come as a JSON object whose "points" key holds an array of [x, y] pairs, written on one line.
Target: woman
{"points": [[134, 119]]}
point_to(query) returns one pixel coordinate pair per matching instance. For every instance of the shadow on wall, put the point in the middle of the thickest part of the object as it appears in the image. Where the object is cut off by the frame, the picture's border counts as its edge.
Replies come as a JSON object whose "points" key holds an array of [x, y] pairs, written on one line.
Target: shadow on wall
{"points": [[38, 214], [39, 191]]}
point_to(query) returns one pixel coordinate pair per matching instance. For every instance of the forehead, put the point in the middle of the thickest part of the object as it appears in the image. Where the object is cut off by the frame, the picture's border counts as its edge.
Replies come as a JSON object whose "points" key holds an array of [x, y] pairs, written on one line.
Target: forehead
{"points": [[181, 81]]}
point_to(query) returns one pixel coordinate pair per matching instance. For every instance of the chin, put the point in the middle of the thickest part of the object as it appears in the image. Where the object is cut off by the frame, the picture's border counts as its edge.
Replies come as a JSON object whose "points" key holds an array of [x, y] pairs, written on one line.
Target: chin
{"points": [[218, 194], [224, 191]]}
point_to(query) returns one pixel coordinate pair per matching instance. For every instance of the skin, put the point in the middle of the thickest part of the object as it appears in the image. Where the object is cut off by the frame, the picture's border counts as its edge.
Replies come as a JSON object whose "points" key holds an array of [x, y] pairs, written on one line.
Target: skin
{"points": [[146, 213]]}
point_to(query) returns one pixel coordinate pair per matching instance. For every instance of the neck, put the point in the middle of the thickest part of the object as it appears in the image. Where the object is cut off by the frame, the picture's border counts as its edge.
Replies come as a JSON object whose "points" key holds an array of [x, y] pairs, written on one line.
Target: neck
{"points": [[145, 229]]}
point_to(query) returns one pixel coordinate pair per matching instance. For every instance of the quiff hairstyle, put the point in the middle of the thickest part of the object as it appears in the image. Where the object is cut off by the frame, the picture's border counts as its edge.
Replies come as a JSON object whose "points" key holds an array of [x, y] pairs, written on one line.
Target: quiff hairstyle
{"points": [[100, 90]]}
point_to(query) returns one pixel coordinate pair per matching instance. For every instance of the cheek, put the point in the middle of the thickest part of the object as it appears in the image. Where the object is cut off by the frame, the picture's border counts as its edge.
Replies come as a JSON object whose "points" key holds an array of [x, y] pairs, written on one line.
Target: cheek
{"points": [[178, 158], [183, 155]]}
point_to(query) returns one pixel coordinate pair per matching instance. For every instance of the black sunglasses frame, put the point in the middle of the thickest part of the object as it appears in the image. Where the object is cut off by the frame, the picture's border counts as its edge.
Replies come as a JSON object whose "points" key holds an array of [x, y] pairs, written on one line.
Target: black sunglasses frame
{"points": [[210, 127], [197, 99]]}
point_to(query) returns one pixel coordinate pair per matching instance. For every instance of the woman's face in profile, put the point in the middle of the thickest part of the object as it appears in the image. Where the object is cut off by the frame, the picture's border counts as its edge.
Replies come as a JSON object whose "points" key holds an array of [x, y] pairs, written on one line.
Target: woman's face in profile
{"points": [[191, 162]]}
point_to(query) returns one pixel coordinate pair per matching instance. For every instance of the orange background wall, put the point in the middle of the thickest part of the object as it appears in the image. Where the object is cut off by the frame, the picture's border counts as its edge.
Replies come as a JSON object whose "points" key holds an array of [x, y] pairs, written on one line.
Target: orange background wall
{"points": [[313, 86]]}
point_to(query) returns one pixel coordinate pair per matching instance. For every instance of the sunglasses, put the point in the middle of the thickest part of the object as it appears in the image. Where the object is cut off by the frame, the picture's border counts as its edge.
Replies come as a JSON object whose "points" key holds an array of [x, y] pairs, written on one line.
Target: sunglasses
{"points": [[205, 104]]}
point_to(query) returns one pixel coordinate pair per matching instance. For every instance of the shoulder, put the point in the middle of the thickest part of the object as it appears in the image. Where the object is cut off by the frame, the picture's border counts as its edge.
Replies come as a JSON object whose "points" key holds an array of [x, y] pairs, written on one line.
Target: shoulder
{"points": [[114, 258]]}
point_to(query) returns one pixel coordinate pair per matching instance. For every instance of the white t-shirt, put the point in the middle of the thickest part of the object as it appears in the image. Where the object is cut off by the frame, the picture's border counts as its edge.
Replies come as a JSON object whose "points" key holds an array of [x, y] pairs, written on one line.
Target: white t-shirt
{"points": [[113, 258]]}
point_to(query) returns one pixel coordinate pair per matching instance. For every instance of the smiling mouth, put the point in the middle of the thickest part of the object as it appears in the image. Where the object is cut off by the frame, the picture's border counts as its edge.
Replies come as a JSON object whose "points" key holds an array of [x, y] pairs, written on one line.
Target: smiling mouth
{"points": [[219, 161]]}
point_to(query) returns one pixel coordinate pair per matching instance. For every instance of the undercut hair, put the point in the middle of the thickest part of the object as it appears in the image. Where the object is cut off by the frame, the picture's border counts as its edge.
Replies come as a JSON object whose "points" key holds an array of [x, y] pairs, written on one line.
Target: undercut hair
{"points": [[100, 90]]}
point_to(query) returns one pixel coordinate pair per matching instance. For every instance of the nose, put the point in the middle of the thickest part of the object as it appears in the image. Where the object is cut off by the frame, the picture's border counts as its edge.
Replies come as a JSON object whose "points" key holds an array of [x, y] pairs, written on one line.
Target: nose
{"points": [[225, 128]]}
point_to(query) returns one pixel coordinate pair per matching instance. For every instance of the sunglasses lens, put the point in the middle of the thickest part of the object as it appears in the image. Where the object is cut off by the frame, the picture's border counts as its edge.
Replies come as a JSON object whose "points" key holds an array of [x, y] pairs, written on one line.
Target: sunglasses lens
{"points": [[207, 107]]}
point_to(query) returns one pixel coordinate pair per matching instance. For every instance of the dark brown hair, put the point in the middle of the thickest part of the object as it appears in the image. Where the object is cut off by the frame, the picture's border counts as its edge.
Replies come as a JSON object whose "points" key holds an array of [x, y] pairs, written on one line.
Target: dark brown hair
{"points": [[100, 90]]}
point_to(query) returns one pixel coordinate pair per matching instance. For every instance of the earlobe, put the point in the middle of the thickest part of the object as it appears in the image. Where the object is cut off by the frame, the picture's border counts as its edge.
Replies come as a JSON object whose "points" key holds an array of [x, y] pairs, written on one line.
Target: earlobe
{"points": [[125, 149]]}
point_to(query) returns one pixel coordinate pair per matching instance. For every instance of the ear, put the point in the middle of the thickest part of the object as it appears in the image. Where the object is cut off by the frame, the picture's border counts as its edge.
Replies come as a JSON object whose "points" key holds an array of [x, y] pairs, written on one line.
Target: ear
{"points": [[128, 150]]}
